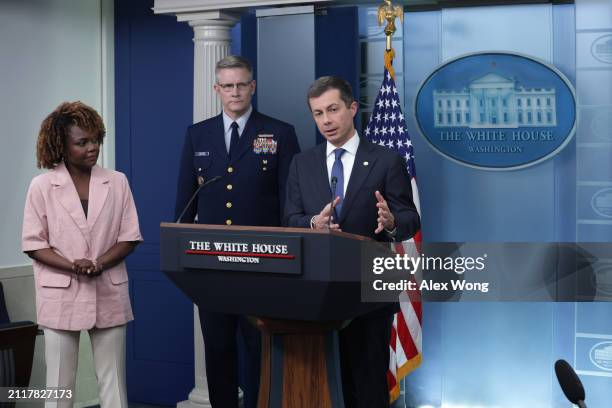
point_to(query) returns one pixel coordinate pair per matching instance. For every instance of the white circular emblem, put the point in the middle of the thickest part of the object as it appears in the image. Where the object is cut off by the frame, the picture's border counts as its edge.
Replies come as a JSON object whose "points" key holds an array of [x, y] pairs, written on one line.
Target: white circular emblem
{"points": [[601, 124], [601, 49], [601, 202], [603, 279], [601, 355]]}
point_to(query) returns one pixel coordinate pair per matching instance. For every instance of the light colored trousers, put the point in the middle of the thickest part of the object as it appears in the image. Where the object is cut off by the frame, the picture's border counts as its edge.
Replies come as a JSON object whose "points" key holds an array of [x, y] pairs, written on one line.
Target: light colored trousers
{"points": [[61, 356]]}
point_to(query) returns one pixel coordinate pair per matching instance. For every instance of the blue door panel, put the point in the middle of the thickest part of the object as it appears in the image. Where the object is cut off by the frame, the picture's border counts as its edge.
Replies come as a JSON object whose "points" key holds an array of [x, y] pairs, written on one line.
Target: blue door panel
{"points": [[153, 107]]}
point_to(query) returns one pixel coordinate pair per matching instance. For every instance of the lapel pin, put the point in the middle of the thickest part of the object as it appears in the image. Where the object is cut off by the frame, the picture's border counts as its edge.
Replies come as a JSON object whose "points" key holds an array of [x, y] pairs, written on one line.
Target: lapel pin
{"points": [[365, 163]]}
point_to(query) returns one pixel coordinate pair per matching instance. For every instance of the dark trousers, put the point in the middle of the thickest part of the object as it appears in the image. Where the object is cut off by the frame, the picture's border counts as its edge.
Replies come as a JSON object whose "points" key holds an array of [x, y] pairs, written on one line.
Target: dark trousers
{"points": [[364, 361], [220, 345]]}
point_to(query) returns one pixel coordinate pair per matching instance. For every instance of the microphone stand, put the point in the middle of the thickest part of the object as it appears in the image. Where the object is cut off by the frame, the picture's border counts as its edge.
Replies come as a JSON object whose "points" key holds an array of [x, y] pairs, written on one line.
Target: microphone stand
{"points": [[212, 180]]}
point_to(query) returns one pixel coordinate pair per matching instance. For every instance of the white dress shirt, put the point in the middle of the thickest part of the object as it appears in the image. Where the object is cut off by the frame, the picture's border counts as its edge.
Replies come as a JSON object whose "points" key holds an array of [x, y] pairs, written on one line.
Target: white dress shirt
{"points": [[348, 158], [227, 126]]}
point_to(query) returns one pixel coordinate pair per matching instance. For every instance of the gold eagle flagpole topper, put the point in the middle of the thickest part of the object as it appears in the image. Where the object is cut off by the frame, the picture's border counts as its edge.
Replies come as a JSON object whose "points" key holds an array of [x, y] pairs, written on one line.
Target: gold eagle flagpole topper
{"points": [[388, 12]]}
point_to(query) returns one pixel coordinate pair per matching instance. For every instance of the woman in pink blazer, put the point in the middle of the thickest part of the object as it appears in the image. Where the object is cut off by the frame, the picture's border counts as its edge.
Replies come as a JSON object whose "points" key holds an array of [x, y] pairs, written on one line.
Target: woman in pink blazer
{"points": [[79, 224]]}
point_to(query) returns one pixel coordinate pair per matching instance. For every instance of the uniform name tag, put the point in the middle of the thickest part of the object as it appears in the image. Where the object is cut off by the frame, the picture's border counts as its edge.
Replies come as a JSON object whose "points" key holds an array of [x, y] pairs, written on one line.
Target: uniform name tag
{"points": [[200, 154]]}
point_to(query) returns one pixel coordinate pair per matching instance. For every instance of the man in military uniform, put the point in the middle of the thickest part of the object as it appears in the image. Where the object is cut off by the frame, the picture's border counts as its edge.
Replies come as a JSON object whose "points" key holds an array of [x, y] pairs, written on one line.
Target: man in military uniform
{"points": [[252, 153]]}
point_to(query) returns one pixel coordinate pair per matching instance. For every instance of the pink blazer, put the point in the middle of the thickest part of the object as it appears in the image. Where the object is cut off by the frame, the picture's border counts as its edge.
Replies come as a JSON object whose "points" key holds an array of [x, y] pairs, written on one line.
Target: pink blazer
{"points": [[54, 218]]}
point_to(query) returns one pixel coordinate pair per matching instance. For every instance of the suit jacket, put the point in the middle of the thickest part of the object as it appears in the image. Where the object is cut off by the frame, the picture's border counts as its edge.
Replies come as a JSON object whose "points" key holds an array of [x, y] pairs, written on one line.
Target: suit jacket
{"points": [[54, 218], [252, 189], [375, 168]]}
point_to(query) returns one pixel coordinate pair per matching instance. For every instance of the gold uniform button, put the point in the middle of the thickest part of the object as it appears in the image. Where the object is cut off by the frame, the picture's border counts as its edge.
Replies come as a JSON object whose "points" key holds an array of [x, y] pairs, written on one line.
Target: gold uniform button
{"points": [[228, 204], [264, 161], [265, 168], [229, 187], [230, 169], [228, 222]]}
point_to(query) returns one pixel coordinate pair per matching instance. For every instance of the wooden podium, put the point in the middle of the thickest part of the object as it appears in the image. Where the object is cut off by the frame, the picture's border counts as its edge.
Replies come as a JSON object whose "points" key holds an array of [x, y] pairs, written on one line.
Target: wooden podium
{"points": [[300, 285]]}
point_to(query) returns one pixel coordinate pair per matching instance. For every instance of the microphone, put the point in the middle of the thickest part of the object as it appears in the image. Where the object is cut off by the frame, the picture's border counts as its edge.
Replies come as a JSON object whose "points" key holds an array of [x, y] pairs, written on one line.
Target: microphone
{"points": [[334, 182], [570, 383], [212, 180]]}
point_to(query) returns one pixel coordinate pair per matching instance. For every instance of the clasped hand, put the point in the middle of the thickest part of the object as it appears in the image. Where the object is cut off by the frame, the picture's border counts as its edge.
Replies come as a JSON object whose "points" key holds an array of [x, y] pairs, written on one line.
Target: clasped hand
{"points": [[86, 267]]}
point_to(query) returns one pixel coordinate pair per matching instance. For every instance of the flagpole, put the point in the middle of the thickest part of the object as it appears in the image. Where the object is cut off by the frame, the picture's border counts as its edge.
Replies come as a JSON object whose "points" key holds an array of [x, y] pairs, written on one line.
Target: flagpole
{"points": [[387, 12], [405, 347]]}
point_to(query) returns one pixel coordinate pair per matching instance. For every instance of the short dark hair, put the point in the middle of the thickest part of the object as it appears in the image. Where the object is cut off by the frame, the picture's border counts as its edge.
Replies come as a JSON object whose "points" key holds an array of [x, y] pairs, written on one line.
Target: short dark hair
{"points": [[325, 83], [233, 61], [56, 126]]}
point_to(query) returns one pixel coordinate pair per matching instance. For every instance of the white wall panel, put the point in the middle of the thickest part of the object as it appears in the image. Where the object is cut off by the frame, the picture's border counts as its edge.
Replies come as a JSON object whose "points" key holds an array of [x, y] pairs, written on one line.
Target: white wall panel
{"points": [[50, 51]]}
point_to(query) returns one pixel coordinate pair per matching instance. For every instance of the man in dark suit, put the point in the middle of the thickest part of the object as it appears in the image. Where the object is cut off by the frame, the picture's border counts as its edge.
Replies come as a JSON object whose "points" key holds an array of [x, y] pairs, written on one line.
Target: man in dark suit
{"points": [[372, 197], [252, 153]]}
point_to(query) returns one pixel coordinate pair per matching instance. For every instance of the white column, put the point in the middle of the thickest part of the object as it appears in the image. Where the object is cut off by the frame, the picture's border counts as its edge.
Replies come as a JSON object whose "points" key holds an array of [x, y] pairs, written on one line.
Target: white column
{"points": [[212, 41]]}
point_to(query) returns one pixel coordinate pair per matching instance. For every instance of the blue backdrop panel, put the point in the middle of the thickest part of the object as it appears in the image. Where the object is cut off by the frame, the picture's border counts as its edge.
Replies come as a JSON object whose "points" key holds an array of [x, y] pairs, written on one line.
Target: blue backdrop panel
{"points": [[595, 163], [593, 318], [337, 50], [565, 174], [491, 354], [588, 232], [150, 311], [248, 41], [285, 70], [460, 203], [510, 342], [603, 393], [154, 82]]}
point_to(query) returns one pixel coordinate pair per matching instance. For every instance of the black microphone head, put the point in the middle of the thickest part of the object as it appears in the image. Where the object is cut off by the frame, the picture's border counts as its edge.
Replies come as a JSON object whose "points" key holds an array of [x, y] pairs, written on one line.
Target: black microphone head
{"points": [[569, 381], [334, 179]]}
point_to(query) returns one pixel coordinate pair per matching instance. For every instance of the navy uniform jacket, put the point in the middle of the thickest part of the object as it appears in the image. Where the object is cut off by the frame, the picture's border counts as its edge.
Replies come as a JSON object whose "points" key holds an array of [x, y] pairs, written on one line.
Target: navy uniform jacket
{"points": [[252, 188], [375, 168]]}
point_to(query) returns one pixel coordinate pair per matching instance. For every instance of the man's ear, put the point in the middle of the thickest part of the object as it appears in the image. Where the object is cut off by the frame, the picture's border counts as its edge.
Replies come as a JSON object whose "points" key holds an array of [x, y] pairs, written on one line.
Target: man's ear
{"points": [[353, 108]]}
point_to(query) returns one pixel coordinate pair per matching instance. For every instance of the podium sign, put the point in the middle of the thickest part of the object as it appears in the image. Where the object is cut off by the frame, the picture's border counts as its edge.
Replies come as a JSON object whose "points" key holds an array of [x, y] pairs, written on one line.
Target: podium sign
{"points": [[242, 252]]}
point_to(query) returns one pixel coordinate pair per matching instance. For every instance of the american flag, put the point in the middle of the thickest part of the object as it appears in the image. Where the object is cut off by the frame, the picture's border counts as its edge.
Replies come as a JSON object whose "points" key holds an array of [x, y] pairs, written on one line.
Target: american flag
{"points": [[387, 127]]}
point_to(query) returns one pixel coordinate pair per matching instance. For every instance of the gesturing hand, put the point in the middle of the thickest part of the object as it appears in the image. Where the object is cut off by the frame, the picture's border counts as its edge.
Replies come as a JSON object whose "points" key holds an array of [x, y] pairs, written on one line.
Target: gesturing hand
{"points": [[321, 221], [385, 220]]}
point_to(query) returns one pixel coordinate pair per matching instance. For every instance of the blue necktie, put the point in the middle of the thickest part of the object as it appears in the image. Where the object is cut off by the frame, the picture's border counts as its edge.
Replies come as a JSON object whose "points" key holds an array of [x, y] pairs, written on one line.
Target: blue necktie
{"points": [[234, 139], [338, 173]]}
